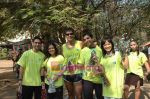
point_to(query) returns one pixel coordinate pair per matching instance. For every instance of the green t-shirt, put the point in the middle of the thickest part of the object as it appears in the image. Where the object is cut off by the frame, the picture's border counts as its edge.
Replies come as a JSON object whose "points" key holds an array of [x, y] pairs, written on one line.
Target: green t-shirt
{"points": [[85, 60], [31, 62], [54, 66], [71, 56], [115, 75], [136, 62]]}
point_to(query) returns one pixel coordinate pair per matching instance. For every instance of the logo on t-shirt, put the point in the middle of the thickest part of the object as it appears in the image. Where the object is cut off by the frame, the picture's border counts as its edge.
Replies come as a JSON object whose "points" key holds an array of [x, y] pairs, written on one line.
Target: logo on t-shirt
{"points": [[55, 66]]}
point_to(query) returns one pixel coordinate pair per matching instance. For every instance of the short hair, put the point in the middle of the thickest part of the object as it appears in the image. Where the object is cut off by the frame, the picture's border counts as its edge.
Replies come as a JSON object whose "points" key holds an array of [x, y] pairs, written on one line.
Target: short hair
{"points": [[36, 37], [69, 29], [87, 32]]}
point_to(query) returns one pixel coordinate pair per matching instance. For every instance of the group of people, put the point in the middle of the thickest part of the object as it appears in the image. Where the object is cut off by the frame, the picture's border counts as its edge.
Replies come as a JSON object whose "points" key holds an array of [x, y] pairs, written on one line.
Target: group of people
{"points": [[83, 67]]}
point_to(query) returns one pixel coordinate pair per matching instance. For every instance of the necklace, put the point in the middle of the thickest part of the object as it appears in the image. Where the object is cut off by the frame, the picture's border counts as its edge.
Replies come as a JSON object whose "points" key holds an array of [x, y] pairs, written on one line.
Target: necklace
{"points": [[109, 54]]}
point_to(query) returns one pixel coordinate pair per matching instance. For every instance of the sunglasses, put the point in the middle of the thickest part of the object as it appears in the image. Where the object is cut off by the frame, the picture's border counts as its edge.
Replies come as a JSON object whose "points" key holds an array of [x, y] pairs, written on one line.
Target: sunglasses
{"points": [[69, 34]]}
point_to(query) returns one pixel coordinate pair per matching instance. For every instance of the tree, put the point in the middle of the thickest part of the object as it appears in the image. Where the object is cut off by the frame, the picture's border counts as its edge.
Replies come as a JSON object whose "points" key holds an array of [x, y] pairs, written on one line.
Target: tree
{"points": [[49, 18]]}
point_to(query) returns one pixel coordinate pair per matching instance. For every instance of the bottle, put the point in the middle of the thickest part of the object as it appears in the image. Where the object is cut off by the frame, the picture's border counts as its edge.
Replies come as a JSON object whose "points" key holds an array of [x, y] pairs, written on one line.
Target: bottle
{"points": [[51, 88], [43, 94]]}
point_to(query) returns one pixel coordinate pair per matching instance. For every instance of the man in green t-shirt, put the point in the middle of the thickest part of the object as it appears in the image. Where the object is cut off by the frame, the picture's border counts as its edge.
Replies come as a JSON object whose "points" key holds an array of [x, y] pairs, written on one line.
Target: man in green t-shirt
{"points": [[90, 57], [30, 65]]}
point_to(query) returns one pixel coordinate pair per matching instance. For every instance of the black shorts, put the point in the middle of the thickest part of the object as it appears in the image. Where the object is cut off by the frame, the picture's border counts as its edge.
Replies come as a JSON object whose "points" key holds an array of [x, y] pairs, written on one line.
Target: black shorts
{"points": [[73, 78], [132, 79]]}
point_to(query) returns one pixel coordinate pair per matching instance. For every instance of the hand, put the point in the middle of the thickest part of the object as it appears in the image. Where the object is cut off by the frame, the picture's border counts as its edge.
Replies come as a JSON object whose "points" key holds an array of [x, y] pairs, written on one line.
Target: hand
{"points": [[19, 82], [55, 78], [19, 89], [146, 76], [43, 83], [64, 68], [48, 78], [99, 70]]}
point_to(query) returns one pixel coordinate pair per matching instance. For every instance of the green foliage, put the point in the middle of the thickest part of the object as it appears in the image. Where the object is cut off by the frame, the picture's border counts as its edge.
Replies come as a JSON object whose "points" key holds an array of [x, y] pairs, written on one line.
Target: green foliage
{"points": [[49, 18], [3, 53]]}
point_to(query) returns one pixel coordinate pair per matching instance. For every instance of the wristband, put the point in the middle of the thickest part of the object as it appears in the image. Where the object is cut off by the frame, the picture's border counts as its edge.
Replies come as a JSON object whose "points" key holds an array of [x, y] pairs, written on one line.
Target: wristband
{"points": [[42, 78]]}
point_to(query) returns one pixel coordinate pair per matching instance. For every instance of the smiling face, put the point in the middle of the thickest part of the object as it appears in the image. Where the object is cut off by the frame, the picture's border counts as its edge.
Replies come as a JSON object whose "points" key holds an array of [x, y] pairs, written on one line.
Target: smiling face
{"points": [[133, 46], [107, 46], [36, 44], [51, 50], [87, 40], [69, 36]]}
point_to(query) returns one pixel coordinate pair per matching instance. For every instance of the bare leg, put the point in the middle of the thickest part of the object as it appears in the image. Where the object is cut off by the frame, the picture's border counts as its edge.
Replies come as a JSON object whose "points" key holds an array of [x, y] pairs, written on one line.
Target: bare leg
{"points": [[70, 89], [78, 89], [137, 91], [126, 92]]}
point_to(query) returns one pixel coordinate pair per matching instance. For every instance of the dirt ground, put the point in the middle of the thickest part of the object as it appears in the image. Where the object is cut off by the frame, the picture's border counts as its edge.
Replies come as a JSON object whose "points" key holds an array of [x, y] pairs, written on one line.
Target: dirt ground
{"points": [[8, 83]]}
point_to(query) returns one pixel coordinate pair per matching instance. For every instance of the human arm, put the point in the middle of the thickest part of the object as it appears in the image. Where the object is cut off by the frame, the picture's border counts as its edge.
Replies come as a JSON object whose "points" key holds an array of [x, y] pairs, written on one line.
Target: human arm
{"points": [[22, 63], [21, 73], [147, 67], [147, 74], [125, 62], [43, 72]]}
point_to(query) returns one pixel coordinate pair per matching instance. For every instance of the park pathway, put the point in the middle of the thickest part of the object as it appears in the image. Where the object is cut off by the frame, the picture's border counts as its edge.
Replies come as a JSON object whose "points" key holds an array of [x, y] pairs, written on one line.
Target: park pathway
{"points": [[8, 83]]}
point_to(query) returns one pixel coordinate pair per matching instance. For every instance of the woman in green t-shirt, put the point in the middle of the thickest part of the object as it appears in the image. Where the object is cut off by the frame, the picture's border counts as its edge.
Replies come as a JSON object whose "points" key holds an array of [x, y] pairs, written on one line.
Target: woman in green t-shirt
{"points": [[135, 72], [53, 65], [114, 70]]}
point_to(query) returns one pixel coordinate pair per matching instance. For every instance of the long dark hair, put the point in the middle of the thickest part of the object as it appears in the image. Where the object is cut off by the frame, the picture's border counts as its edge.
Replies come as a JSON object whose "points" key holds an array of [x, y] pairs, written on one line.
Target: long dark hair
{"points": [[102, 45], [55, 47], [138, 50]]}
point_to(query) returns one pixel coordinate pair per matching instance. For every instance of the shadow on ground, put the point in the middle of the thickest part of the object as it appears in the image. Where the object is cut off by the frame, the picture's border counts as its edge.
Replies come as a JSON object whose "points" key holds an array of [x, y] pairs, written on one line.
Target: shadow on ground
{"points": [[8, 85], [145, 92]]}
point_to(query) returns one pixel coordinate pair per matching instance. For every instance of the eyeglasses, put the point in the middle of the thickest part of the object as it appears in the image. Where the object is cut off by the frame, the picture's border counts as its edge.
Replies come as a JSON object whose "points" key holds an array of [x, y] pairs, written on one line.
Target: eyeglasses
{"points": [[69, 34]]}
